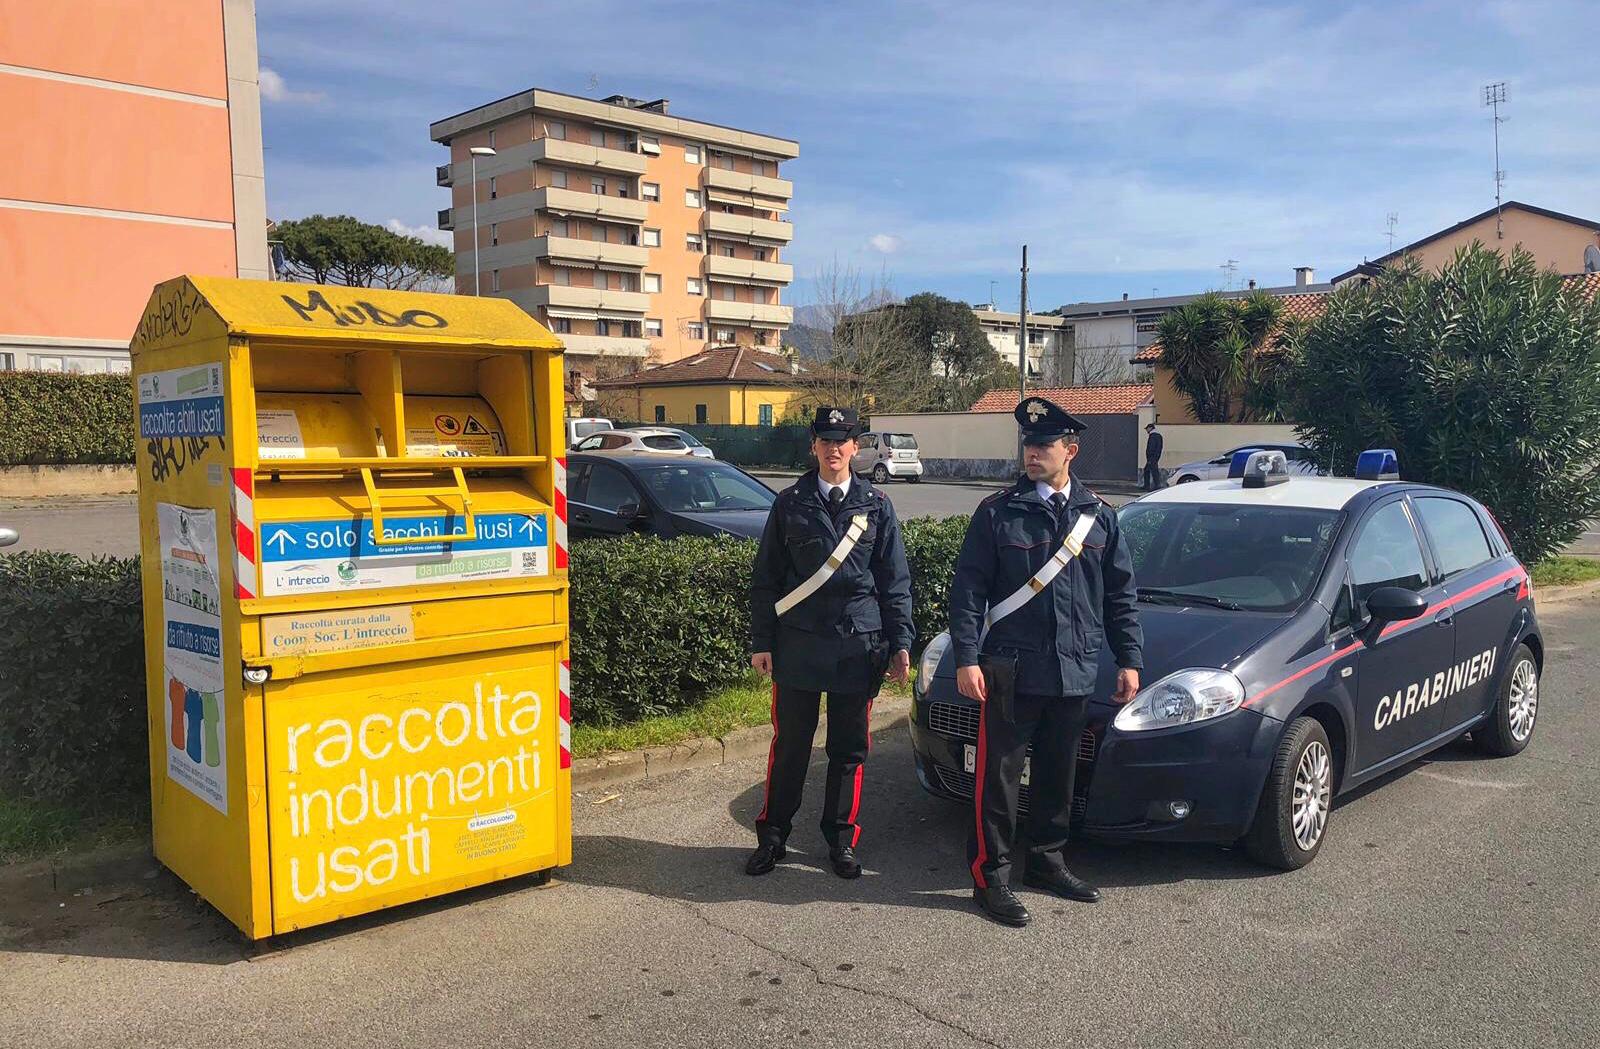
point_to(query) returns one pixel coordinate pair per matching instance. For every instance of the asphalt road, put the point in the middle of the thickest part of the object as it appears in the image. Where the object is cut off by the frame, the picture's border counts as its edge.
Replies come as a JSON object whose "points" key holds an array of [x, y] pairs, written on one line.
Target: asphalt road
{"points": [[1454, 904]]}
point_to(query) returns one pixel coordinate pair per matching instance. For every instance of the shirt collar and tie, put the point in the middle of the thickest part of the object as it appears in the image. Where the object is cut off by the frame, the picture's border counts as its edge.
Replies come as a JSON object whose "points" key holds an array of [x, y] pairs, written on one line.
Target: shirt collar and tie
{"points": [[828, 491]]}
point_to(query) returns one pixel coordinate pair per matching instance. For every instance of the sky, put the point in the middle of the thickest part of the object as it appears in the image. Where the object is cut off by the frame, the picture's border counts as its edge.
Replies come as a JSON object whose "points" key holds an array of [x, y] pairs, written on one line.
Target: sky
{"points": [[1133, 147]]}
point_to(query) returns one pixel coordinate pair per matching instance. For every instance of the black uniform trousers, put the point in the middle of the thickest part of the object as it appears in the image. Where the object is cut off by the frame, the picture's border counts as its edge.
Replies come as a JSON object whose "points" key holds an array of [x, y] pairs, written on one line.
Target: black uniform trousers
{"points": [[1151, 478], [1053, 724], [794, 723]]}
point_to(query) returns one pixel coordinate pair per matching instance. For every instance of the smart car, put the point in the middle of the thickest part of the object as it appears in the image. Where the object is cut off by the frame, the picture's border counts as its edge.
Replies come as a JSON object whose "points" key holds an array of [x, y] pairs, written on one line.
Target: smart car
{"points": [[1302, 636]]}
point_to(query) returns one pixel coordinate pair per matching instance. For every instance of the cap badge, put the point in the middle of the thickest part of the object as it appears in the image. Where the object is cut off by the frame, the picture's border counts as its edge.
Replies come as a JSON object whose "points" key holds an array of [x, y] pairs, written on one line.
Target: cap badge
{"points": [[836, 416], [1036, 410]]}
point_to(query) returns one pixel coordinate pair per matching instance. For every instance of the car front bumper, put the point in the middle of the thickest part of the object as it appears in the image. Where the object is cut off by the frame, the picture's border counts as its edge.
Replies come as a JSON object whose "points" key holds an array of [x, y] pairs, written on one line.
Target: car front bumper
{"points": [[1126, 782]]}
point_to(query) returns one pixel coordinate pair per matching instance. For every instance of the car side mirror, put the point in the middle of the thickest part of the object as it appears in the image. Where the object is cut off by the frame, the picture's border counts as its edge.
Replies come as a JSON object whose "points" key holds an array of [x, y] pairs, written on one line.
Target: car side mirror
{"points": [[1390, 604], [628, 512], [8, 537]]}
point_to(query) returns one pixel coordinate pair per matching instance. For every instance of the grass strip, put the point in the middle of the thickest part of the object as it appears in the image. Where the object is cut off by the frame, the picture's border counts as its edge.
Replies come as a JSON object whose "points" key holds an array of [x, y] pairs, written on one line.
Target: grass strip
{"points": [[1565, 571]]}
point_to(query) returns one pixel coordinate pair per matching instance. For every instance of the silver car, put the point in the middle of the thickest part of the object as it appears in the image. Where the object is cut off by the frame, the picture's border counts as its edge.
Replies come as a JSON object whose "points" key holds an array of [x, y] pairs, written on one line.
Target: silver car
{"points": [[1301, 461], [642, 439], [885, 455]]}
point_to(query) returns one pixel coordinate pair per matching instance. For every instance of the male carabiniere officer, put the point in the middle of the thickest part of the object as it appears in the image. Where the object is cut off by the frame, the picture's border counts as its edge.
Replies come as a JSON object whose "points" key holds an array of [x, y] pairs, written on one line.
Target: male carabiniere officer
{"points": [[830, 610], [1043, 575]]}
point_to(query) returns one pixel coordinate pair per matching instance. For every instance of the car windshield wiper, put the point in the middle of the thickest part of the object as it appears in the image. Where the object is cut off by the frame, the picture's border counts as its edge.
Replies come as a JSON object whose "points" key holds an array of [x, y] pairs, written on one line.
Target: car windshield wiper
{"points": [[1158, 596]]}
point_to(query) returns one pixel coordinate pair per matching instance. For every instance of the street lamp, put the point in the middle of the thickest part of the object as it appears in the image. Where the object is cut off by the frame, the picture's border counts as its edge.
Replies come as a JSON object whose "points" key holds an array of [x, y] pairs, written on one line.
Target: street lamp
{"points": [[476, 152]]}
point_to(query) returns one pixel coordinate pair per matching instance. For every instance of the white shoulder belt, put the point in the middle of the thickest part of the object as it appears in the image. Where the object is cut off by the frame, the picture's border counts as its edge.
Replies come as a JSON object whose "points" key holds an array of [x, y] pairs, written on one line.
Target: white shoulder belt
{"points": [[852, 535], [1071, 547]]}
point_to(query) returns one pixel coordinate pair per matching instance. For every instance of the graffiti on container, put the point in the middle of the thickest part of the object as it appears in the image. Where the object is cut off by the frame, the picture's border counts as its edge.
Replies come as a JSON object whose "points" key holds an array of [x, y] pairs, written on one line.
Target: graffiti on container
{"points": [[318, 308], [169, 456]]}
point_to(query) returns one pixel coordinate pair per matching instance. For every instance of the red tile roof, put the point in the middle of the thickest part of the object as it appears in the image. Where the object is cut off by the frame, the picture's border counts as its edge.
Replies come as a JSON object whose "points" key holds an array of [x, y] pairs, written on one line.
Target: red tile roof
{"points": [[1303, 307], [1076, 400], [722, 364]]}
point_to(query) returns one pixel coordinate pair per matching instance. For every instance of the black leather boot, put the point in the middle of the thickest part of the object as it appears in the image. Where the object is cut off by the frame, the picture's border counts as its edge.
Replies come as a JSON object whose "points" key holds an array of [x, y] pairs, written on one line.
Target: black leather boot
{"points": [[1001, 904]]}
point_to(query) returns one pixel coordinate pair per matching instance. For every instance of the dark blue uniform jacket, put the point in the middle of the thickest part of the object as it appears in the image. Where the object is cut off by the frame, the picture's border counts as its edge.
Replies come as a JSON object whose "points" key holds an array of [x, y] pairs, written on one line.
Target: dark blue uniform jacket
{"points": [[1056, 637]]}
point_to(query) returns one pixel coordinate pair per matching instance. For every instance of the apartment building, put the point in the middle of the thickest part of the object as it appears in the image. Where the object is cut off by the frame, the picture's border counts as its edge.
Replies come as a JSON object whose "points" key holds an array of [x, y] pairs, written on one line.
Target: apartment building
{"points": [[131, 133], [1049, 341], [629, 232]]}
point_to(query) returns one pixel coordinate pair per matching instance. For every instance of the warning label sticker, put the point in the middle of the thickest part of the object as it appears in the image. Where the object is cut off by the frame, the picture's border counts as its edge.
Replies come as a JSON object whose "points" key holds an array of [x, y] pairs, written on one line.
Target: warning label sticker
{"points": [[448, 425], [427, 442]]}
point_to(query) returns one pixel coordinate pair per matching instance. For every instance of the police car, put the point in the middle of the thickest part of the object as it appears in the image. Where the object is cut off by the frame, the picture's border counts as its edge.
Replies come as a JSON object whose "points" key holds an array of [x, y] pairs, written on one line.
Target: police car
{"points": [[1303, 636]]}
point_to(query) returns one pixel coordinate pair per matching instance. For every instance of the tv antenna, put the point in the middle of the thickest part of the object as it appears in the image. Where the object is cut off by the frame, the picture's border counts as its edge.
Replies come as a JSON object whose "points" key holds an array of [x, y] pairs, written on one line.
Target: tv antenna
{"points": [[1394, 218], [1229, 268], [1494, 96], [594, 81], [992, 304]]}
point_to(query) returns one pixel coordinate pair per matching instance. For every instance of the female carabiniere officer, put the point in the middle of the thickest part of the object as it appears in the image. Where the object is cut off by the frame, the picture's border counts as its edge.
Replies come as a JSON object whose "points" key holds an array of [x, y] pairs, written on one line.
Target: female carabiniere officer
{"points": [[1043, 575], [830, 610]]}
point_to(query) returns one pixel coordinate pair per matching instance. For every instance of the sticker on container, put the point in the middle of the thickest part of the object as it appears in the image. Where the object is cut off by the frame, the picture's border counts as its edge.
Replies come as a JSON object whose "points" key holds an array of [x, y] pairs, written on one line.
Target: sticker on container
{"points": [[309, 557], [337, 630], [428, 442], [182, 402], [278, 434], [191, 602]]}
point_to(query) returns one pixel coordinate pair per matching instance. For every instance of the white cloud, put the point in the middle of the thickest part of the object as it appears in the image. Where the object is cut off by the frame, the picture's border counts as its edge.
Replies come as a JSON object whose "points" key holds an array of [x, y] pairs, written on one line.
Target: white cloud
{"points": [[273, 89], [423, 233], [884, 243]]}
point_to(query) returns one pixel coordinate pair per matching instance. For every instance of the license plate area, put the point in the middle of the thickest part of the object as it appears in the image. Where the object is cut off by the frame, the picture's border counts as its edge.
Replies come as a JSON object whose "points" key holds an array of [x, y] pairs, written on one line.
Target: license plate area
{"points": [[969, 762]]}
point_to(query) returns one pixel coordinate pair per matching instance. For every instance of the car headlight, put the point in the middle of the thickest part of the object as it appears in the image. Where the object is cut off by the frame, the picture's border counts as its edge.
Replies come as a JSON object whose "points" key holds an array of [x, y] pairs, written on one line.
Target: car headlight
{"points": [[928, 665], [1182, 699]]}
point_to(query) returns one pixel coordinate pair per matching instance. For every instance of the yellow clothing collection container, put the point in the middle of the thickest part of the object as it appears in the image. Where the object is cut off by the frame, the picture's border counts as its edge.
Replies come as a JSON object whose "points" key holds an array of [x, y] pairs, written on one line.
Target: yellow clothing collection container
{"points": [[353, 524]]}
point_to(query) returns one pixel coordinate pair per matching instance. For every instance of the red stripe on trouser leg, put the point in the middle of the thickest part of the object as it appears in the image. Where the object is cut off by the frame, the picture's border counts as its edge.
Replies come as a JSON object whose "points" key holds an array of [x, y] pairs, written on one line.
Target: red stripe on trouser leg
{"points": [[855, 807], [772, 756], [977, 804]]}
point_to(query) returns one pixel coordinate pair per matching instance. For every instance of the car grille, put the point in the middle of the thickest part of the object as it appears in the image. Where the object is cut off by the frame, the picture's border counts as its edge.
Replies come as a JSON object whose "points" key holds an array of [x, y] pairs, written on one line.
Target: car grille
{"points": [[961, 721], [961, 784]]}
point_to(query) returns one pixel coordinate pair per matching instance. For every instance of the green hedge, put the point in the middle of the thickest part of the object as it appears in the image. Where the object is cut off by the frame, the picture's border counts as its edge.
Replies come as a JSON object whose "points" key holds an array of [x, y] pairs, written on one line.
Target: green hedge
{"points": [[656, 624], [52, 417]]}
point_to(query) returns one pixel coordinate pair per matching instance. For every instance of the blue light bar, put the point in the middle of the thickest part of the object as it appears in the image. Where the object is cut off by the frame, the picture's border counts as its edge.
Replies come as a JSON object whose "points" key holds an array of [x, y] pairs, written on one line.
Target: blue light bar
{"points": [[1378, 464], [1237, 463]]}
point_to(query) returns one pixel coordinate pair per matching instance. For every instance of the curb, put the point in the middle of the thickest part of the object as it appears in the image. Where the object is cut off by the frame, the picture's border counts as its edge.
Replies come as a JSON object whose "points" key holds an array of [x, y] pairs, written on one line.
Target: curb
{"points": [[1556, 595], [637, 766]]}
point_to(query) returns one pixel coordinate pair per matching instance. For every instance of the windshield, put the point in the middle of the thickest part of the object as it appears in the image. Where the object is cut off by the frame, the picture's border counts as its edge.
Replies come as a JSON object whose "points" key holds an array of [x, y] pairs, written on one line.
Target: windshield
{"points": [[584, 427], [698, 490], [1264, 558], [903, 441]]}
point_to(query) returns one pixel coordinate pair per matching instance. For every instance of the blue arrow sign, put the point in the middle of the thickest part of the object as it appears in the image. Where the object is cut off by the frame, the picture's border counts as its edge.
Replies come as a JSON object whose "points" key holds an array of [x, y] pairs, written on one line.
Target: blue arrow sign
{"points": [[352, 537]]}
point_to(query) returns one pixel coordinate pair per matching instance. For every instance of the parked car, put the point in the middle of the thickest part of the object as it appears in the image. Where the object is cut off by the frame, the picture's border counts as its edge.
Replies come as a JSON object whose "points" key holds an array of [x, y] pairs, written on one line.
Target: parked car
{"points": [[885, 455], [693, 442], [640, 440], [8, 537], [618, 493], [578, 429], [1302, 639], [1301, 461]]}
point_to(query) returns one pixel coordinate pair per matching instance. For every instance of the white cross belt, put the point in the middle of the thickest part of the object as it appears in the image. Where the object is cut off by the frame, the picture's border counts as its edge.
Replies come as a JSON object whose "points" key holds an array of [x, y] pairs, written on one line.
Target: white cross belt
{"points": [[852, 535], [1071, 547]]}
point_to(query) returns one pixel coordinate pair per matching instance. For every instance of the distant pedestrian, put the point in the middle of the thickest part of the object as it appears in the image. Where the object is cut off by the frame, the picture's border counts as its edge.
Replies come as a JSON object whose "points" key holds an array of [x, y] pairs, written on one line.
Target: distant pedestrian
{"points": [[830, 611], [1153, 443]]}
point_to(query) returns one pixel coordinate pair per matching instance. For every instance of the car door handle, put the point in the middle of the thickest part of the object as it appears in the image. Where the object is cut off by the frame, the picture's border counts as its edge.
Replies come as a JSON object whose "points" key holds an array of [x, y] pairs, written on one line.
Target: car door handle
{"points": [[1444, 617], [581, 515]]}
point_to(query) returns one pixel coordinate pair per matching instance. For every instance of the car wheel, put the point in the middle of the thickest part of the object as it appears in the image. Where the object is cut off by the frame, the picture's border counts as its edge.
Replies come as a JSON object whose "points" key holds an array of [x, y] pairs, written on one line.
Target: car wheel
{"points": [[880, 474], [915, 478], [1186, 478], [1292, 818], [1509, 726]]}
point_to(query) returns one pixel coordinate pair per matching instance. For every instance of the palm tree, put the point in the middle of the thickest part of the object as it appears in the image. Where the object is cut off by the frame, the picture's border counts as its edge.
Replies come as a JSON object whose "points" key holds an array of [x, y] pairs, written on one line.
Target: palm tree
{"points": [[1211, 345]]}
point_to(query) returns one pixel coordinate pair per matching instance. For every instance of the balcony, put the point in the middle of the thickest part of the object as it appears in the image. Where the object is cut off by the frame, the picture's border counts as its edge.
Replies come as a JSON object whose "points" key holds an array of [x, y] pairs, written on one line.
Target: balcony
{"points": [[748, 271], [748, 312], [747, 227], [581, 155], [562, 296], [605, 345], [446, 220], [590, 252], [739, 182], [573, 202], [441, 175]]}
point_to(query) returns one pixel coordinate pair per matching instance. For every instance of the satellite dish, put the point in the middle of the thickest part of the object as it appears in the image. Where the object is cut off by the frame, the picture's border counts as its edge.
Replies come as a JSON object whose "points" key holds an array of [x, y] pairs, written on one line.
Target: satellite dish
{"points": [[1591, 259]]}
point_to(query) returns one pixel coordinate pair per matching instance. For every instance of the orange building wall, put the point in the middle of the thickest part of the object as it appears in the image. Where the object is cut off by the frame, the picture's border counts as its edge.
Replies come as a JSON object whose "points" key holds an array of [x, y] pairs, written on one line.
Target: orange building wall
{"points": [[175, 45], [1557, 245]]}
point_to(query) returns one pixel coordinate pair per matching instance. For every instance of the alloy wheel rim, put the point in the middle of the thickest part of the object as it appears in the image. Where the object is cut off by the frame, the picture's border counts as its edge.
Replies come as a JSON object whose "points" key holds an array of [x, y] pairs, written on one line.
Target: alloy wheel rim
{"points": [[1312, 795], [1523, 700]]}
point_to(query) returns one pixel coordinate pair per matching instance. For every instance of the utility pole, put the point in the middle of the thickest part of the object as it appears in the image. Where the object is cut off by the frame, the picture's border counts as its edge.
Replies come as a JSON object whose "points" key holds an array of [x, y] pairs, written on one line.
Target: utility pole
{"points": [[1022, 348], [1494, 96]]}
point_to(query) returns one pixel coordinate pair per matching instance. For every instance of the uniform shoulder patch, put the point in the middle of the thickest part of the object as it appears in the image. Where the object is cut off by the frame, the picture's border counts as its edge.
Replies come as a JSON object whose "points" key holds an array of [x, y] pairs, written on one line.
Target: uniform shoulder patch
{"points": [[995, 497]]}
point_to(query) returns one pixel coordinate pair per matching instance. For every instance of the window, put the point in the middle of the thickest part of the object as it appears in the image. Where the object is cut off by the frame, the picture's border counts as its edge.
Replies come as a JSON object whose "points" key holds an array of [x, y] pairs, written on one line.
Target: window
{"points": [[558, 227], [728, 293], [630, 329], [599, 280], [602, 327], [759, 254], [726, 251], [695, 330], [561, 325], [661, 413], [725, 161], [558, 179], [622, 189], [696, 287], [1457, 534], [700, 414], [652, 327], [760, 336], [652, 283], [561, 275], [691, 198], [609, 488], [492, 191], [597, 233], [694, 243], [8, 362], [758, 167], [764, 415], [597, 137], [650, 190], [597, 185], [724, 334], [494, 234], [491, 138], [1385, 554], [494, 280], [650, 144], [691, 154], [555, 129], [652, 238], [1148, 325]]}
